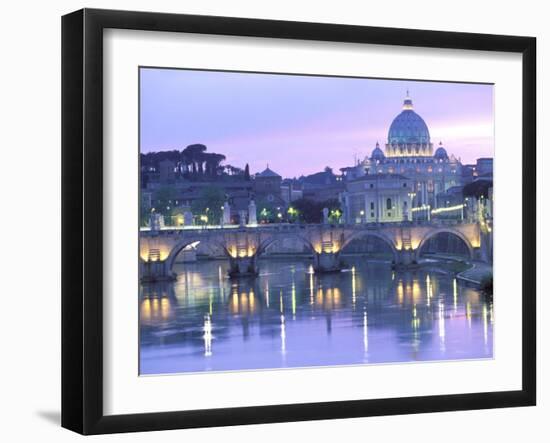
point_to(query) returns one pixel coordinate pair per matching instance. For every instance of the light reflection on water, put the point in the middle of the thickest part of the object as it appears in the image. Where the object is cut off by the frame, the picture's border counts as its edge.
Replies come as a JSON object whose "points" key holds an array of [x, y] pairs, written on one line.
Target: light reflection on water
{"points": [[291, 317]]}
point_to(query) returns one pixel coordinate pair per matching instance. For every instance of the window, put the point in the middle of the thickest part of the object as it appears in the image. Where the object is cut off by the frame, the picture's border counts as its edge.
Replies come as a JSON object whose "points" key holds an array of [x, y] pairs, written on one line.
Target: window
{"points": [[372, 206], [388, 204]]}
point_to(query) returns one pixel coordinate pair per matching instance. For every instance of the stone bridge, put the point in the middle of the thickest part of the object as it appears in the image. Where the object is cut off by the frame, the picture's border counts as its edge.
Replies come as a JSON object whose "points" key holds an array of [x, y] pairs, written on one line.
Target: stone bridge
{"points": [[244, 244]]}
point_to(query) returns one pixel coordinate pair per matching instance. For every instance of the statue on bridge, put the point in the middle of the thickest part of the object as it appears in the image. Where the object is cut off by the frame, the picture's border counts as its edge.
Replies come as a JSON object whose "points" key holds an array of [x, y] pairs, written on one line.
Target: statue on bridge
{"points": [[156, 221], [226, 217], [188, 218], [252, 213], [325, 216]]}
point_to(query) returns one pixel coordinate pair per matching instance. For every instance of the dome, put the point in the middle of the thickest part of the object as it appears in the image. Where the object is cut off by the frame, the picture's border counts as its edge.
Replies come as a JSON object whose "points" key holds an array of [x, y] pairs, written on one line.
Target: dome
{"points": [[377, 153], [441, 153], [408, 127]]}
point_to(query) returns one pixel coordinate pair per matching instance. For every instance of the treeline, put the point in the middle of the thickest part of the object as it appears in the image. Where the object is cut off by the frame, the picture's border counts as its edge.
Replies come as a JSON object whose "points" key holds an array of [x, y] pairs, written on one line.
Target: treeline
{"points": [[193, 161]]}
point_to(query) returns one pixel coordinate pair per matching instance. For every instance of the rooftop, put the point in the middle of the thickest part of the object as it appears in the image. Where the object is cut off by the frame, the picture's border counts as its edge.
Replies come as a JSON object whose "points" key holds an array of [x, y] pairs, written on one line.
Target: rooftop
{"points": [[376, 177], [267, 173]]}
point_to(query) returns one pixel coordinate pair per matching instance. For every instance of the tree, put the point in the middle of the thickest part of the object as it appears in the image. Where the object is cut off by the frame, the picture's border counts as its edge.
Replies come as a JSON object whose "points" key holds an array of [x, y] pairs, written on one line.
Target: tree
{"points": [[247, 172], [311, 211], [144, 212], [213, 161], [477, 189], [266, 212], [334, 216], [194, 155], [164, 201], [207, 207]]}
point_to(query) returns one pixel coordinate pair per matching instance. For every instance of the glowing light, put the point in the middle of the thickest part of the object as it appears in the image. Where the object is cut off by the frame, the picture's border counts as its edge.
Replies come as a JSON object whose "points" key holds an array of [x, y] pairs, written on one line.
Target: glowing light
{"points": [[293, 300], [146, 310], [251, 301], [235, 302], [365, 334], [421, 208], [448, 209], [416, 290], [455, 295], [221, 285], [415, 321], [243, 302], [400, 292], [353, 294], [337, 296], [165, 308], [442, 325], [485, 323], [283, 335], [207, 329], [311, 298], [320, 296]]}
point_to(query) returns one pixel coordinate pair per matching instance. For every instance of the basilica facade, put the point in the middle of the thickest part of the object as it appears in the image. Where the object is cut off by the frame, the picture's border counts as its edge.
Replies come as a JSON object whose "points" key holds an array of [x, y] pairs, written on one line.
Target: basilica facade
{"points": [[410, 174]]}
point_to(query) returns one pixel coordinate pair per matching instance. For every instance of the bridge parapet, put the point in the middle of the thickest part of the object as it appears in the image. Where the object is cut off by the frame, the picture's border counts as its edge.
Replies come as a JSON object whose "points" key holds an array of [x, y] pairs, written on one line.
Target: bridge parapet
{"points": [[243, 245]]}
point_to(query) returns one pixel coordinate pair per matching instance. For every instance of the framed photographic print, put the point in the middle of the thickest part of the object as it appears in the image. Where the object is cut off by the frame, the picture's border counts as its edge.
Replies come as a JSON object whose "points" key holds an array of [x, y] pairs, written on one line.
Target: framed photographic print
{"points": [[269, 221]]}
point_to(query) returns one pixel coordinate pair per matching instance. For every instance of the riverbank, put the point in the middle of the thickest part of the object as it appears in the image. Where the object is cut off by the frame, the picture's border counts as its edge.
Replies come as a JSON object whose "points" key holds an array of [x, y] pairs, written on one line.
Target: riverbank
{"points": [[476, 273], [471, 272]]}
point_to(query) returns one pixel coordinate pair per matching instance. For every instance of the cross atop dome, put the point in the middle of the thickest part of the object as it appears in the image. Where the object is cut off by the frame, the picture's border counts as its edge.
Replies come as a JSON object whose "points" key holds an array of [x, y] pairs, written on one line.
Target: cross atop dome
{"points": [[408, 103]]}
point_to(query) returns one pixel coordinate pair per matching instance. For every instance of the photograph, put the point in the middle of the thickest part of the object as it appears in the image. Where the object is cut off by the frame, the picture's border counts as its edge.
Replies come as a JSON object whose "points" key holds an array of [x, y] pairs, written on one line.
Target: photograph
{"points": [[296, 221]]}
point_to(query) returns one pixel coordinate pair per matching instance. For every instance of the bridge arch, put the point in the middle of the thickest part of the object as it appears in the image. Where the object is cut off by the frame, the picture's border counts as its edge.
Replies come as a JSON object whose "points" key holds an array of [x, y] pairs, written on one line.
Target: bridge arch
{"points": [[179, 246], [266, 243], [362, 234], [432, 233]]}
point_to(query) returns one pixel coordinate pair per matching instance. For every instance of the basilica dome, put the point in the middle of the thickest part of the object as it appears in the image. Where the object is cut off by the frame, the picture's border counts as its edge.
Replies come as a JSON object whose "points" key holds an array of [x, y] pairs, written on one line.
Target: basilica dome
{"points": [[408, 127]]}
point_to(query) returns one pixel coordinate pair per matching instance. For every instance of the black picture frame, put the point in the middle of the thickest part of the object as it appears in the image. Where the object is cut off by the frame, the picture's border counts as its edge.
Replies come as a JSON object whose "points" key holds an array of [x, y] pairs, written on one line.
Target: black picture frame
{"points": [[82, 230]]}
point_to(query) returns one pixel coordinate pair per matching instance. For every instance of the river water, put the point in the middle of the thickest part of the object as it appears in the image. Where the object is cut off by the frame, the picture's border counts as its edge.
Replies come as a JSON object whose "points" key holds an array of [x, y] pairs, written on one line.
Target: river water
{"points": [[291, 317]]}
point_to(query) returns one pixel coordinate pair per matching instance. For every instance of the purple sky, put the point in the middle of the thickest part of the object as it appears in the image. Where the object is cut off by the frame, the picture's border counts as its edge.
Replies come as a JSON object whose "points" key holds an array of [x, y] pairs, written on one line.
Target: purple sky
{"points": [[300, 124]]}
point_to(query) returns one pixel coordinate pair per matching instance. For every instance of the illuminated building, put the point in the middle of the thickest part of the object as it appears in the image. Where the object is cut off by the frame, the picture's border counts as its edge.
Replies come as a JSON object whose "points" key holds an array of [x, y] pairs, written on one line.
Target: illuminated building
{"points": [[408, 155]]}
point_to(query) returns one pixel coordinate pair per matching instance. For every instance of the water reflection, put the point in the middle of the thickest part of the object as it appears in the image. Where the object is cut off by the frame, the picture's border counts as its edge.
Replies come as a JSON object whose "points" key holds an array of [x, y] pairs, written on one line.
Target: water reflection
{"points": [[291, 317]]}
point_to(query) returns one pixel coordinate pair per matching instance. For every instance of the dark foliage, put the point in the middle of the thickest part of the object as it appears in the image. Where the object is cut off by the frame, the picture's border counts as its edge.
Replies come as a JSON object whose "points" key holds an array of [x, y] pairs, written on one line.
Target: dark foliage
{"points": [[192, 162], [311, 211], [477, 189]]}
